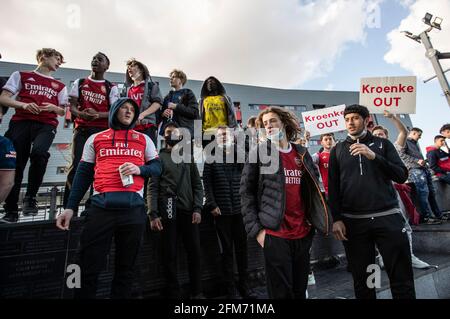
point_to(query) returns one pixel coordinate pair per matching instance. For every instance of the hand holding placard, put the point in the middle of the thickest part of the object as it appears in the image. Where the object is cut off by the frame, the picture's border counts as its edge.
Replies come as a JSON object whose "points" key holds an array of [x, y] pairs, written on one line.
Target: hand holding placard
{"points": [[396, 94]]}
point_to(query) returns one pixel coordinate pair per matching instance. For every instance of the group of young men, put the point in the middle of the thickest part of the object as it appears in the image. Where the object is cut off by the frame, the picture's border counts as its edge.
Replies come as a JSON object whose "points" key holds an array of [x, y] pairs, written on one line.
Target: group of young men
{"points": [[347, 188]]}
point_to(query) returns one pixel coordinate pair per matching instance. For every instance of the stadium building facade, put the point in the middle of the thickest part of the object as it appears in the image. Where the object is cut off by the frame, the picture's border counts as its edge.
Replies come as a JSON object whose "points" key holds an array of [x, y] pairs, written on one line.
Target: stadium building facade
{"points": [[250, 99]]}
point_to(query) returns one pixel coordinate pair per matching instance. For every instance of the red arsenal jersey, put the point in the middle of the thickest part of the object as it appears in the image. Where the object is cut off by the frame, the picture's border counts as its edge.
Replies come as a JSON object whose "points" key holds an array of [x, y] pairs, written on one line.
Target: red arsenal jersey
{"points": [[93, 95], [110, 149], [294, 224], [324, 159], [33, 87], [136, 93]]}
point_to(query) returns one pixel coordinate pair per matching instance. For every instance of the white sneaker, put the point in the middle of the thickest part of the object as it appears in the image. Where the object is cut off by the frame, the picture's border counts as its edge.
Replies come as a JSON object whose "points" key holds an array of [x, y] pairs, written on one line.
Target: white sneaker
{"points": [[311, 279], [419, 264]]}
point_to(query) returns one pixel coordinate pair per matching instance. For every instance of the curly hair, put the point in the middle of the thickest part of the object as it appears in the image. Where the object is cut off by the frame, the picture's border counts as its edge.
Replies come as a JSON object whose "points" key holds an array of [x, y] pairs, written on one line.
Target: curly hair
{"points": [[141, 66], [289, 120]]}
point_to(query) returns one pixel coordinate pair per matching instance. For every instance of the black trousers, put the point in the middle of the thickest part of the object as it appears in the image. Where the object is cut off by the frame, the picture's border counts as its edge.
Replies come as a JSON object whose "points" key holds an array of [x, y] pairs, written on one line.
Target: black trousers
{"points": [[182, 228], [100, 227], [287, 266], [231, 232], [80, 136], [31, 140], [390, 236]]}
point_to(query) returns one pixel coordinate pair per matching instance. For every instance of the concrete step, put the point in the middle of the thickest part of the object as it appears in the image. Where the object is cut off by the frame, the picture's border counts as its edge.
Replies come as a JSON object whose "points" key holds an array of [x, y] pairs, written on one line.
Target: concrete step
{"points": [[432, 238], [337, 283], [433, 283]]}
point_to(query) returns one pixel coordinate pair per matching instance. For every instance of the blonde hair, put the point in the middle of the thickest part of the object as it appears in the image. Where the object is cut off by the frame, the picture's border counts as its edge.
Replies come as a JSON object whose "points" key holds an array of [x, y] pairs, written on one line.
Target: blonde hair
{"points": [[48, 52], [179, 74]]}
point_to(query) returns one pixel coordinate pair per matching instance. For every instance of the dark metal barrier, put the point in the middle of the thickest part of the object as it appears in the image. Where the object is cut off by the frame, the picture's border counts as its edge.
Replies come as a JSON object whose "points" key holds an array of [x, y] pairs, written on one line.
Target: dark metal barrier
{"points": [[34, 257], [33, 262]]}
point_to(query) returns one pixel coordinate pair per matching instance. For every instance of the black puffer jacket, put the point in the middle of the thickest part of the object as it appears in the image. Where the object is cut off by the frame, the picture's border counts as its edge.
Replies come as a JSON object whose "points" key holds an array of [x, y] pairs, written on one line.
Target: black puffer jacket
{"points": [[186, 111], [263, 195], [222, 182]]}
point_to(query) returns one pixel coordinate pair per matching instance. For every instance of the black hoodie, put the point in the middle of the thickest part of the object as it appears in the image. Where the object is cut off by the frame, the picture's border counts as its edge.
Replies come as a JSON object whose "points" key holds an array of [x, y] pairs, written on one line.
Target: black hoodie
{"points": [[372, 192], [189, 190], [232, 122], [186, 111]]}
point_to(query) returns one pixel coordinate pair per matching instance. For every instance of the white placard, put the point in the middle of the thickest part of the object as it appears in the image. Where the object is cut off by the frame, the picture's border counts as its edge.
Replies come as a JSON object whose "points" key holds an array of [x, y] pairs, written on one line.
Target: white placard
{"points": [[327, 120], [394, 94]]}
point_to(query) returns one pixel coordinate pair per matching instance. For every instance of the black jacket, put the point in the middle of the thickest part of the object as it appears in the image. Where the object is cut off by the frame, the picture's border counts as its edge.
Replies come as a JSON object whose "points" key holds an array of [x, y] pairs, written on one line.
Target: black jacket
{"points": [[186, 111], [372, 192], [189, 190], [439, 160], [263, 195], [222, 182]]}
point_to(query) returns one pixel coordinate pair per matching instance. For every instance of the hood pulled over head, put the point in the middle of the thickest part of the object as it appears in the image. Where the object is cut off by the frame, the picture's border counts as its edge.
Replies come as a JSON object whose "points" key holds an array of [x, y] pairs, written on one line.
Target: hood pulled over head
{"points": [[113, 121]]}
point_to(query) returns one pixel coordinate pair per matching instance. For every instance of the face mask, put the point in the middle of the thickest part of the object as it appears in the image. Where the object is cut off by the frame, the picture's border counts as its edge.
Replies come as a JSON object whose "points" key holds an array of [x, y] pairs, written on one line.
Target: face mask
{"points": [[136, 76], [170, 141], [277, 136], [362, 134], [227, 144]]}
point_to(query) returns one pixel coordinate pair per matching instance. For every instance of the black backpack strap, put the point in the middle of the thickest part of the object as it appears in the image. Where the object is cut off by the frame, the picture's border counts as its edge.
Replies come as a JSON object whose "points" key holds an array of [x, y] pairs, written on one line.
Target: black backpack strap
{"points": [[80, 84], [108, 86]]}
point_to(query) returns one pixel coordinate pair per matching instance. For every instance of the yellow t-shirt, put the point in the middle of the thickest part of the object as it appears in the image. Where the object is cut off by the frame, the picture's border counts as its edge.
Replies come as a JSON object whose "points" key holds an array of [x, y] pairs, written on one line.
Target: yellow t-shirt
{"points": [[214, 108]]}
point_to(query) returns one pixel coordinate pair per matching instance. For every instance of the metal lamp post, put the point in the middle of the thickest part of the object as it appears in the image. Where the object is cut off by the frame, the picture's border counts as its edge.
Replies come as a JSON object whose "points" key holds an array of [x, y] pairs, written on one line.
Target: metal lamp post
{"points": [[431, 53]]}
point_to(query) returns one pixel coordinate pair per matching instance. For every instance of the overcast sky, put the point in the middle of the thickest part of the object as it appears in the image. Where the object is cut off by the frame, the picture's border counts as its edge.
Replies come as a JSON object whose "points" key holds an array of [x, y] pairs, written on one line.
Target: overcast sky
{"points": [[314, 44], [279, 43]]}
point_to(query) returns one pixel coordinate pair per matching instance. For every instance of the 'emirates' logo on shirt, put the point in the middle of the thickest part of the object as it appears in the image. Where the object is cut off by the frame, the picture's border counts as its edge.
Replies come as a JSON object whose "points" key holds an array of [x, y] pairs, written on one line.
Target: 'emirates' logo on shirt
{"points": [[293, 176]]}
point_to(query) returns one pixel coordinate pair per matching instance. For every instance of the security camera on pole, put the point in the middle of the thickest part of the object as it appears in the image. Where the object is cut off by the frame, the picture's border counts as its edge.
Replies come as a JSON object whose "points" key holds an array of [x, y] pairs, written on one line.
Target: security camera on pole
{"points": [[433, 54]]}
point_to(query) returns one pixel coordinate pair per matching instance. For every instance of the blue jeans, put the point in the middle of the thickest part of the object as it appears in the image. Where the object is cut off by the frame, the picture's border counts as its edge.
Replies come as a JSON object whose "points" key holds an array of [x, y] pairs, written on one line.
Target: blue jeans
{"points": [[426, 192]]}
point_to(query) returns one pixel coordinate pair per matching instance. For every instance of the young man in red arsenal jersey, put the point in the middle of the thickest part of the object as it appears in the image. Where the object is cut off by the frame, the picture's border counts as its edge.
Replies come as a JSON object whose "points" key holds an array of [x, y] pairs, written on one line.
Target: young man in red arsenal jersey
{"points": [[90, 100], [140, 88], [321, 158], [282, 209], [117, 208], [39, 100]]}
